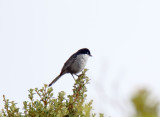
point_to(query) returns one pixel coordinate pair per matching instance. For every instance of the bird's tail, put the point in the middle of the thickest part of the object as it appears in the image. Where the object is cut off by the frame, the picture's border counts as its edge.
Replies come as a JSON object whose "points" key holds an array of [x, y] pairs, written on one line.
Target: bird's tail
{"points": [[55, 80]]}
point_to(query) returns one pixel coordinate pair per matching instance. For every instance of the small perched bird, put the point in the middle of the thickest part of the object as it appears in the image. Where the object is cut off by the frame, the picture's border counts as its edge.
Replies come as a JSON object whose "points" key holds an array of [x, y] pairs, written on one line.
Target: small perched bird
{"points": [[74, 64]]}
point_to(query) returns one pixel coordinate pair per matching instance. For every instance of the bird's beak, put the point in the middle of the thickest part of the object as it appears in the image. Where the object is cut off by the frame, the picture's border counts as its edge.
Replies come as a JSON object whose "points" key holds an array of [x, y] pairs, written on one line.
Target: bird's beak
{"points": [[90, 55]]}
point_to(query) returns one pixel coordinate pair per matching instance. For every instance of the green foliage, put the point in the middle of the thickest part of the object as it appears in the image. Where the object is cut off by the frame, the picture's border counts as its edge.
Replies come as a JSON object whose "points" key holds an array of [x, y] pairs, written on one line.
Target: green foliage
{"points": [[48, 106], [144, 105]]}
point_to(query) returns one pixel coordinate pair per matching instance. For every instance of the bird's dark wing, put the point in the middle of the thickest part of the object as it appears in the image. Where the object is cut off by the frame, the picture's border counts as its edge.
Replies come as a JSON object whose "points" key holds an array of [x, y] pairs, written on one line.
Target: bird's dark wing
{"points": [[68, 63]]}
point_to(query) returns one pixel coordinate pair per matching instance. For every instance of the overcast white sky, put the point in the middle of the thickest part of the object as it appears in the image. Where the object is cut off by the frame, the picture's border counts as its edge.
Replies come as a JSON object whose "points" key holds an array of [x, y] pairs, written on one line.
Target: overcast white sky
{"points": [[37, 37]]}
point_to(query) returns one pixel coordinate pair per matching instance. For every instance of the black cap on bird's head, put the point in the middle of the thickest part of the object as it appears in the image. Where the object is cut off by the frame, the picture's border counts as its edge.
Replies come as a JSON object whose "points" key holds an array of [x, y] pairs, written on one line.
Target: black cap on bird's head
{"points": [[84, 51]]}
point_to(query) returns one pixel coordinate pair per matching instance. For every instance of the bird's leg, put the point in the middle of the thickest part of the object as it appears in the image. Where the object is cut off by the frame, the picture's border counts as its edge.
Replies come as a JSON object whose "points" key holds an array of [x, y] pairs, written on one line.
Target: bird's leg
{"points": [[79, 75], [73, 77]]}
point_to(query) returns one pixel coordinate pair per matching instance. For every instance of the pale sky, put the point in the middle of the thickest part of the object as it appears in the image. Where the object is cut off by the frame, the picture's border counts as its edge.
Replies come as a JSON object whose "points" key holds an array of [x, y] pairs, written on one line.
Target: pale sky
{"points": [[37, 37]]}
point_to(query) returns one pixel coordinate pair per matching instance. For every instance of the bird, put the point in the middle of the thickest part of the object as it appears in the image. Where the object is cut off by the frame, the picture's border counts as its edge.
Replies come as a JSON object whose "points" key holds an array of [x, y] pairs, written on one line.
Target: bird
{"points": [[74, 64]]}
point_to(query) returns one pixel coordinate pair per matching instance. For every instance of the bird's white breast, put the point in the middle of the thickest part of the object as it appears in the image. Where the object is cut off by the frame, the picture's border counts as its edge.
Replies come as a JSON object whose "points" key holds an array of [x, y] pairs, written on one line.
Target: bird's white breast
{"points": [[80, 62]]}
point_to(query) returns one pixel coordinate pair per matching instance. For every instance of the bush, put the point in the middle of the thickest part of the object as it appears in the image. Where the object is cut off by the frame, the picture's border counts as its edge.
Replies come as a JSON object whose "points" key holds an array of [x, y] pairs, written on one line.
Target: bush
{"points": [[144, 105], [48, 106]]}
